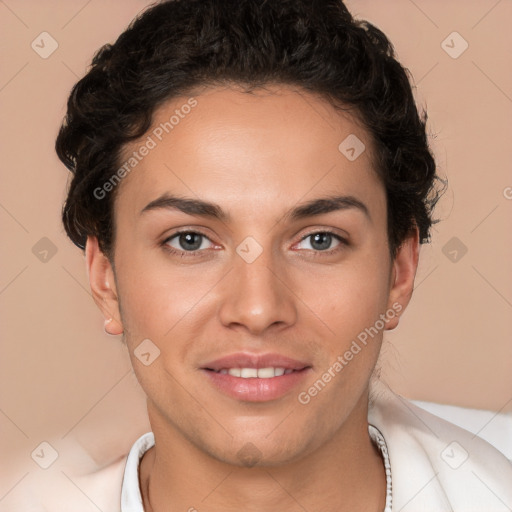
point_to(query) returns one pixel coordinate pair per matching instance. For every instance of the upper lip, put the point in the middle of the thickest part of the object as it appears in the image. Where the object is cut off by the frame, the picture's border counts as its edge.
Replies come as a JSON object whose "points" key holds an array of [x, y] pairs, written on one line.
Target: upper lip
{"points": [[247, 360]]}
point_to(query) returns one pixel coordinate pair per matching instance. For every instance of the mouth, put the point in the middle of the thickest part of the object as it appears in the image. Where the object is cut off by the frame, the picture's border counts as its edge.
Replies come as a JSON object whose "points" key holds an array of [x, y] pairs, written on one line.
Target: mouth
{"points": [[254, 373], [255, 378]]}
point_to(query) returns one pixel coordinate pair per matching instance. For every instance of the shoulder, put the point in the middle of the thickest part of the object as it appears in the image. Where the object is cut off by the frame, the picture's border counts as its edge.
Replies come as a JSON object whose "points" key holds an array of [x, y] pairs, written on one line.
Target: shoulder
{"points": [[60, 488], [115, 488], [103, 487], [436, 465]]}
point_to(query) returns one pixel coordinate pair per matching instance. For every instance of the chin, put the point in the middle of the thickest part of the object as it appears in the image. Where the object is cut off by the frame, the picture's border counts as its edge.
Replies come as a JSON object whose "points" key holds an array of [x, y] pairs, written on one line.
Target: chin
{"points": [[251, 455], [260, 449]]}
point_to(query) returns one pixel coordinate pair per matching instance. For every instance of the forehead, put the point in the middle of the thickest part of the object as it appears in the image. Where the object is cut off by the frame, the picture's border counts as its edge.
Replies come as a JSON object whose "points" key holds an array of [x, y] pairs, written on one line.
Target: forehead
{"points": [[248, 149]]}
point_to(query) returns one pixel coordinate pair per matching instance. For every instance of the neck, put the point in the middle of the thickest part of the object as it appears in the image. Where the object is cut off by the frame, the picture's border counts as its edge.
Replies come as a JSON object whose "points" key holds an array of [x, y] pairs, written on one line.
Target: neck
{"points": [[344, 474]]}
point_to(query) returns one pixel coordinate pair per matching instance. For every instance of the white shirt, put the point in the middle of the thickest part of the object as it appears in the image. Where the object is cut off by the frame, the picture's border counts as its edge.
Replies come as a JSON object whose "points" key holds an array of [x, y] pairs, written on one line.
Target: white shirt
{"points": [[131, 499], [435, 467]]}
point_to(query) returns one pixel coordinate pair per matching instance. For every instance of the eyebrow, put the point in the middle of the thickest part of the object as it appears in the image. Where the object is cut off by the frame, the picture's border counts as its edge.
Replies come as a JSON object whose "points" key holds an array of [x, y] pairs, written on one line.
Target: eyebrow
{"points": [[207, 209]]}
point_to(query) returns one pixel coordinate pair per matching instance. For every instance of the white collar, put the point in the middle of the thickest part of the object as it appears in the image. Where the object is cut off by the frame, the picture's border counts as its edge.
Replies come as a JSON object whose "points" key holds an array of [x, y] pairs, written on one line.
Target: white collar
{"points": [[435, 464], [131, 498]]}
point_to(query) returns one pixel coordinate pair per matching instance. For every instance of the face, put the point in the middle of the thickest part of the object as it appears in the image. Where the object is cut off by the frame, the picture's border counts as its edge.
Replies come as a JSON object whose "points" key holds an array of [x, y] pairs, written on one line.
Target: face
{"points": [[248, 245]]}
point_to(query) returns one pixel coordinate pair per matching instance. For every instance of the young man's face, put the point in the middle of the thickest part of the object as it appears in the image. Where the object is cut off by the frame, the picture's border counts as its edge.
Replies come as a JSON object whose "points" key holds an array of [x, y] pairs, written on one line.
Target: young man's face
{"points": [[254, 288]]}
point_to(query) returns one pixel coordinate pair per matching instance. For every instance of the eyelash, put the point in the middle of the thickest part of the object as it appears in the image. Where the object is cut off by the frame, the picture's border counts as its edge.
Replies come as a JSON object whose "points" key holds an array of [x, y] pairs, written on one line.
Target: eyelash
{"points": [[188, 254]]}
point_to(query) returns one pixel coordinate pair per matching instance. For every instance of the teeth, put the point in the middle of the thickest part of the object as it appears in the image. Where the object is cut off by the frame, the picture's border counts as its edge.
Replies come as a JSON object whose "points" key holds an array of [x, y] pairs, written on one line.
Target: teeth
{"points": [[245, 373], [261, 373], [266, 373]]}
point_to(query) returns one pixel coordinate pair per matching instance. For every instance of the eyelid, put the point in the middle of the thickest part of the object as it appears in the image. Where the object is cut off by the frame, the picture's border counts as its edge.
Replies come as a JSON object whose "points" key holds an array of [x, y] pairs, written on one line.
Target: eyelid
{"points": [[187, 231], [343, 241], [342, 237], [199, 232]]}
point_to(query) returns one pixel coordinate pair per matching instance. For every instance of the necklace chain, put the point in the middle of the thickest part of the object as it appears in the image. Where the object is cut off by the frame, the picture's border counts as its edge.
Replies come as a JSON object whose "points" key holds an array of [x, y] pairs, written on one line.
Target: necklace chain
{"points": [[380, 442]]}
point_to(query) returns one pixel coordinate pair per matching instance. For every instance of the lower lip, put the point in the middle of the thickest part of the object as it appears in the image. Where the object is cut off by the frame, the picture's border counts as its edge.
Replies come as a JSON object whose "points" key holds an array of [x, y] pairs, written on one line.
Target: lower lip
{"points": [[254, 389]]}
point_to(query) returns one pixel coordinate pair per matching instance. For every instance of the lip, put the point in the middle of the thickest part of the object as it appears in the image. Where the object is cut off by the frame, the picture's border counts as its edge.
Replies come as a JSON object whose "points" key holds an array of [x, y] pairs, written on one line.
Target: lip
{"points": [[255, 389], [247, 360]]}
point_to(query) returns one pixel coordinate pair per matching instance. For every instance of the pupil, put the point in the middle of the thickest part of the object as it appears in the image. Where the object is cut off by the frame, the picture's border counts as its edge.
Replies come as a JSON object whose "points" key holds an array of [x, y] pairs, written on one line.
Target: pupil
{"points": [[321, 241], [190, 241]]}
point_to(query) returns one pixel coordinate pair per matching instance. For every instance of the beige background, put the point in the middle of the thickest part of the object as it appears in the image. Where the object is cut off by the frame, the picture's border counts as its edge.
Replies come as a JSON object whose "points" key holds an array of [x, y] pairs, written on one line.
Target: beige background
{"points": [[64, 381]]}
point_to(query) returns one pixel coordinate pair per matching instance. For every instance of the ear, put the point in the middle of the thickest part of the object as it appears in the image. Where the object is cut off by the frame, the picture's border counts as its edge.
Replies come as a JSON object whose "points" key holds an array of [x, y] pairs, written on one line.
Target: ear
{"points": [[403, 273], [103, 287]]}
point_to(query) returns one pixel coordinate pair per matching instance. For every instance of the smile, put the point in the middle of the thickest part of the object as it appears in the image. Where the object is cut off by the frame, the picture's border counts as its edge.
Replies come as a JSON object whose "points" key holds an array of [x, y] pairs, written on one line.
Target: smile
{"points": [[255, 373], [253, 377]]}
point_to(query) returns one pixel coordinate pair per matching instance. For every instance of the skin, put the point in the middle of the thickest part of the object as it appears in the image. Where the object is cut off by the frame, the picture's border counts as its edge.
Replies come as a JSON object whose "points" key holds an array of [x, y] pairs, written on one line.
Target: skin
{"points": [[257, 156]]}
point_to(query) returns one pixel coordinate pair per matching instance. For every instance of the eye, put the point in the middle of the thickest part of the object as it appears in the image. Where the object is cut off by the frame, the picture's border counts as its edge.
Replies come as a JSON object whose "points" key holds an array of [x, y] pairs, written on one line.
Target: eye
{"points": [[321, 241], [188, 241]]}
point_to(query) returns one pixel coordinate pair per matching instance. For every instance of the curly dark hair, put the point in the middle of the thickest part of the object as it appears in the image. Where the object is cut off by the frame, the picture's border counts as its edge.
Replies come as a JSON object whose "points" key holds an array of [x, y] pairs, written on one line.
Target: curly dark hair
{"points": [[178, 45]]}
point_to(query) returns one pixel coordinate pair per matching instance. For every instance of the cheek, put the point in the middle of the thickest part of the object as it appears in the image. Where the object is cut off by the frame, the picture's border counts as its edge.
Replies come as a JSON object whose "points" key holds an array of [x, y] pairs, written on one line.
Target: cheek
{"points": [[145, 290], [157, 297], [350, 303], [351, 297]]}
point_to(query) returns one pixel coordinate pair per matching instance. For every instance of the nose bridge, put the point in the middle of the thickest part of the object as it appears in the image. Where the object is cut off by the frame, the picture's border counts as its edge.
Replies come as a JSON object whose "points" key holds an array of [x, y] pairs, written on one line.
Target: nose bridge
{"points": [[256, 295]]}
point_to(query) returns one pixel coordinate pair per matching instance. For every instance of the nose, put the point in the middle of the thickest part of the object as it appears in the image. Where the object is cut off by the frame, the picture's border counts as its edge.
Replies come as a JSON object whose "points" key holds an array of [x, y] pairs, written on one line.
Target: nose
{"points": [[256, 297]]}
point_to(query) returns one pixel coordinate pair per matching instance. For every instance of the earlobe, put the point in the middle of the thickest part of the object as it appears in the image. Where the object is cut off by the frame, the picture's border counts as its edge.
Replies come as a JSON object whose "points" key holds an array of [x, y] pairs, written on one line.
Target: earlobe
{"points": [[102, 283], [402, 277], [112, 328]]}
